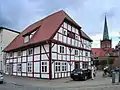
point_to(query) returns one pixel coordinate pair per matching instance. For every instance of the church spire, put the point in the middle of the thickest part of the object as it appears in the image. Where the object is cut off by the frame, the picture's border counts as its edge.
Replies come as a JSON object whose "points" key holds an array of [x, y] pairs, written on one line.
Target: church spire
{"points": [[105, 34]]}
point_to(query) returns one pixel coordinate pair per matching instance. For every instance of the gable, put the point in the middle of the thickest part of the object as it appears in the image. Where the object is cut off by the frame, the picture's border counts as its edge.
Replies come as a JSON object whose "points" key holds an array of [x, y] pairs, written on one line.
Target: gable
{"points": [[69, 34]]}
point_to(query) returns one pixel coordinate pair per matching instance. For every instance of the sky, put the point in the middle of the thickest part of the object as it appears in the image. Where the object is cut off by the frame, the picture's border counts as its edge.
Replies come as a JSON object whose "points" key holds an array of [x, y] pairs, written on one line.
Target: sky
{"points": [[89, 14]]}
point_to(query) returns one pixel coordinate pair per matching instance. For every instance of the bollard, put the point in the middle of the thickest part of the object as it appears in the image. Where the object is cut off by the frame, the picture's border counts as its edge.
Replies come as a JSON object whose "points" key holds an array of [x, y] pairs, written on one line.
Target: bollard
{"points": [[113, 77]]}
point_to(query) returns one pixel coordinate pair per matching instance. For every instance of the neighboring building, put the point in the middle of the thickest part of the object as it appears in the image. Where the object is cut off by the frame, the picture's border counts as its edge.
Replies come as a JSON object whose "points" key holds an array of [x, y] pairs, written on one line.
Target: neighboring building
{"points": [[116, 54], [6, 36], [49, 48], [105, 49]]}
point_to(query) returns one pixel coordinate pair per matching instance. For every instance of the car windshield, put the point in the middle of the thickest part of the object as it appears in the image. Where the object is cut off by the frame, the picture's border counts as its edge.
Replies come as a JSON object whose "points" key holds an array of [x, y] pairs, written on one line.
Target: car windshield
{"points": [[75, 70]]}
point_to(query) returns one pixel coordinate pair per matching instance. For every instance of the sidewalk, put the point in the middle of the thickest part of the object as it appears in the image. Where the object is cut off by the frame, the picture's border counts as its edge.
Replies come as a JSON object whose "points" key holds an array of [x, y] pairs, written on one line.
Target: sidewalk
{"points": [[99, 81]]}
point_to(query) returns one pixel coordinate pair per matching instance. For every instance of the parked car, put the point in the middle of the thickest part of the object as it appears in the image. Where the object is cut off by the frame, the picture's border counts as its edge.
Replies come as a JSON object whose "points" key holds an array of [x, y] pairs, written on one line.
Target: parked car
{"points": [[1, 77], [81, 74]]}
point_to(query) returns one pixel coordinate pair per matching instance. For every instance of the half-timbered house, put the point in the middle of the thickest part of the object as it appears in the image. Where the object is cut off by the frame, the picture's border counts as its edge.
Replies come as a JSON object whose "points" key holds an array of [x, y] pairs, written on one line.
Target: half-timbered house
{"points": [[49, 48]]}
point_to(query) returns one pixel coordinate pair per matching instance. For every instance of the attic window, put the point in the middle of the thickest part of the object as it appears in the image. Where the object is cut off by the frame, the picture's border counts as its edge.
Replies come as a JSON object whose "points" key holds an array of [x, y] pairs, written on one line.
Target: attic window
{"points": [[32, 34], [26, 39]]}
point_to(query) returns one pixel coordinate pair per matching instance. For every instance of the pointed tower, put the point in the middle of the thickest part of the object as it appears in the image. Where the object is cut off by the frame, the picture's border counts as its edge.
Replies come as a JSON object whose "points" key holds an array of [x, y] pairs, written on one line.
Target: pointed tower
{"points": [[105, 33], [106, 43]]}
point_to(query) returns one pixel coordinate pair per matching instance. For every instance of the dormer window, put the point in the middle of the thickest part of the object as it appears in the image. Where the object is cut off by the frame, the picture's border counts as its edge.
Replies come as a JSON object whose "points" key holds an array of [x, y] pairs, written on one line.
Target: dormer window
{"points": [[32, 34], [28, 36], [26, 39]]}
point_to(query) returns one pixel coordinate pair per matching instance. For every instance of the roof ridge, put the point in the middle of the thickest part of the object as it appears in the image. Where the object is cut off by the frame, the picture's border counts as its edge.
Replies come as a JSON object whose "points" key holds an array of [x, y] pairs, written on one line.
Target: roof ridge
{"points": [[10, 29]]}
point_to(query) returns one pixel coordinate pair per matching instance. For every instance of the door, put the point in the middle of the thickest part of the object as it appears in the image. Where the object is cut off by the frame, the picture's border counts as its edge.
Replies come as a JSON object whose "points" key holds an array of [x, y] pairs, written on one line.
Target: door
{"points": [[77, 65], [10, 69]]}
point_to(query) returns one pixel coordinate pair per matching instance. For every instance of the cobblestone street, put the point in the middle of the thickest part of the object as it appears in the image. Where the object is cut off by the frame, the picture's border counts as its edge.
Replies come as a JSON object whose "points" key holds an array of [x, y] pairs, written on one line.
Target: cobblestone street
{"points": [[22, 83]]}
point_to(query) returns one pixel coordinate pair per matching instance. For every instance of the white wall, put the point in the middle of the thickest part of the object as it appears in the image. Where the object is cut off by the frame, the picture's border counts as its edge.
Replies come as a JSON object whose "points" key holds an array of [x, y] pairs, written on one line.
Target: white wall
{"points": [[6, 37]]}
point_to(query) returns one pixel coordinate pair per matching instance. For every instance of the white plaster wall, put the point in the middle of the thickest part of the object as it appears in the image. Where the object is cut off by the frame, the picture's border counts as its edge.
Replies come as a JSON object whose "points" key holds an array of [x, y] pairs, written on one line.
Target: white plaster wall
{"points": [[19, 59], [14, 67], [44, 75], [55, 37], [60, 37], [15, 54], [37, 67], [23, 59], [30, 58], [7, 38], [36, 50], [64, 39], [29, 75], [69, 40], [44, 56], [24, 67], [24, 53], [23, 74], [36, 57], [46, 48], [54, 48], [54, 55], [37, 75], [15, 60]]}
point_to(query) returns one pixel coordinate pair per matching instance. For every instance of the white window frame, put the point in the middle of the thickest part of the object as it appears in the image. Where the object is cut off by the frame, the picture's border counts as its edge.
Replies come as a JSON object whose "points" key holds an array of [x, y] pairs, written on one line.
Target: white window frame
{"points": [[44, 67], [64, 66], [29, 67], [19, 67], [76, 52], [64, 32], [57, 67], [61, 49], [26, 39]]}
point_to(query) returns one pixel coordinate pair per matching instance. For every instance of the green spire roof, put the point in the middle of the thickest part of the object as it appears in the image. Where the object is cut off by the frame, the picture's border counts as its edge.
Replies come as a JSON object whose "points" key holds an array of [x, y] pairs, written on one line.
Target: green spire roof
{"points": [[105, 34]]}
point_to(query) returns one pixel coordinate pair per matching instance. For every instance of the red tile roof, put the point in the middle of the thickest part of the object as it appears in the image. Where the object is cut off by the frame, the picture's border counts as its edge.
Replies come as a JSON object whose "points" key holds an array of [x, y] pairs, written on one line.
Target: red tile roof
{"points": [[99, 52], [46, 29]]}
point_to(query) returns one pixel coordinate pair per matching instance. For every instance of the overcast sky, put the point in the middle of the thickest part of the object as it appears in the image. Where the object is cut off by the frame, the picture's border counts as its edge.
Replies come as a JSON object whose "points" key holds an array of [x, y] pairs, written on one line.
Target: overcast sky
{"points": [[18, 14]]}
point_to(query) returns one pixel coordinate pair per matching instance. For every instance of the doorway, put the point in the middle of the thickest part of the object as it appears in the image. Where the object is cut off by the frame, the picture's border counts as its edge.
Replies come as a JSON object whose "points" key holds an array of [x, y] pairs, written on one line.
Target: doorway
{"points": [[77, 65], [10, 69]]}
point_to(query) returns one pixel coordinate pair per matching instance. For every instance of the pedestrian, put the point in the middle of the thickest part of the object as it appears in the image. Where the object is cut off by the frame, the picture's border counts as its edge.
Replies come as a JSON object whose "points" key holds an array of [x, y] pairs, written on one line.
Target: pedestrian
{"points": [[92, 72]]}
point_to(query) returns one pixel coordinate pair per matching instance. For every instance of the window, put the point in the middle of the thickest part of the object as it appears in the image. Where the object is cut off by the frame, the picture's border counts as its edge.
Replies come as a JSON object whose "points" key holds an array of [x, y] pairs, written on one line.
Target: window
{"points": [[76, 52], [29, 67], [44, 67], [32, 34], [64, 32], [85, 64], [30, 51], [26, 39], [64, 66], [19, 53], [70, 34], [57, 67], [76, 37], [86, 53], [19, 68], [61, 49], [11, 54], [7, 67]]}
